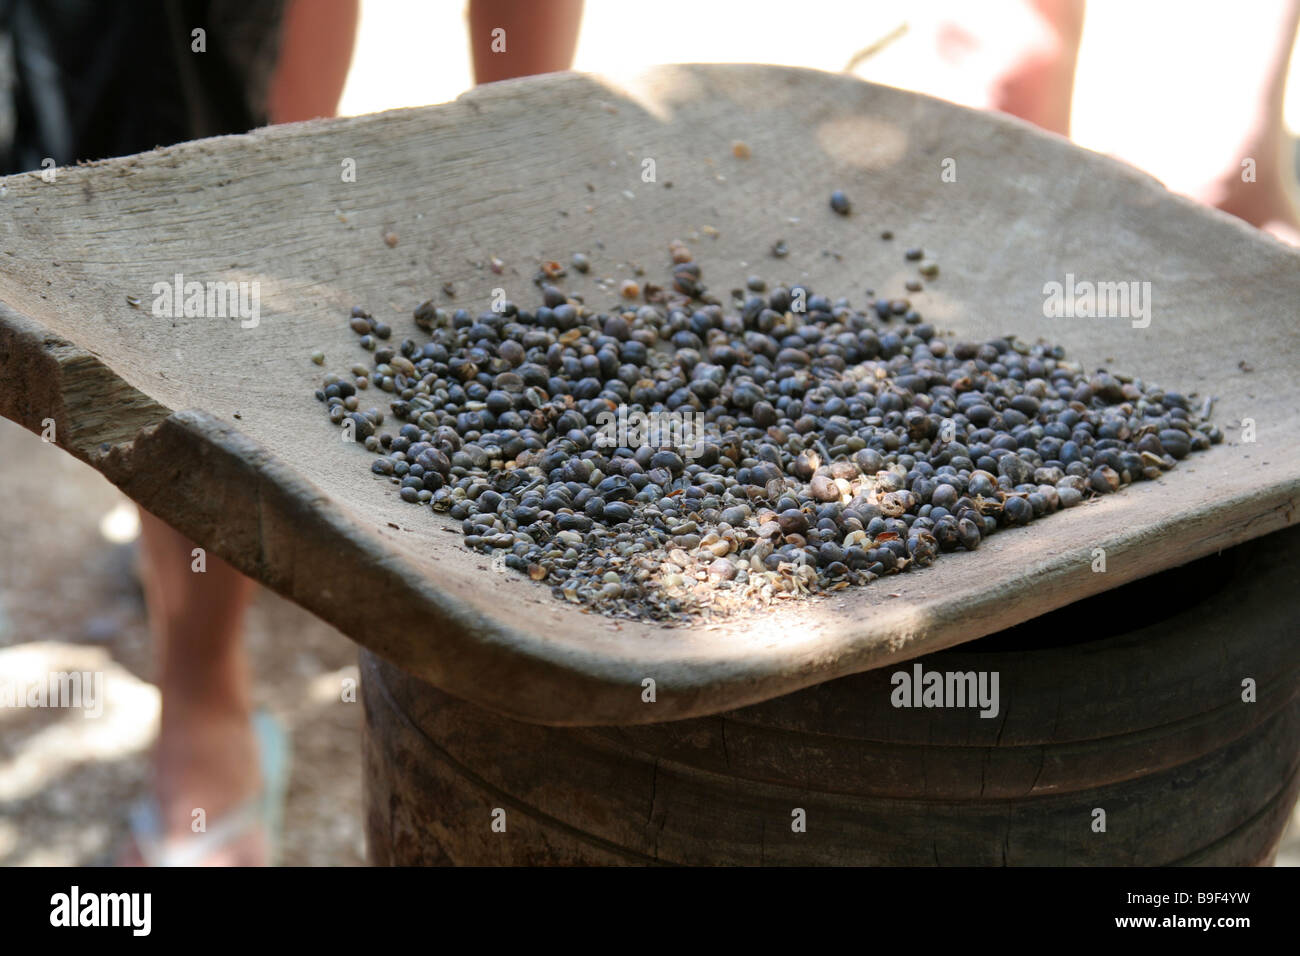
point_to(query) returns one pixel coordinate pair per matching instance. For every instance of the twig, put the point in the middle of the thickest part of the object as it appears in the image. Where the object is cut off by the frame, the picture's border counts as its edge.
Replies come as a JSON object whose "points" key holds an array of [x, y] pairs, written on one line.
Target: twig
{"points": [[872, 49]]}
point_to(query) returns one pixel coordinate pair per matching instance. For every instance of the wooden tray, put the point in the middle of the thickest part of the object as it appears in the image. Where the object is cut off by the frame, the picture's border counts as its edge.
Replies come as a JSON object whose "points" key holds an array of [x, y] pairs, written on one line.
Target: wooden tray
{"points": [[213, 426]]}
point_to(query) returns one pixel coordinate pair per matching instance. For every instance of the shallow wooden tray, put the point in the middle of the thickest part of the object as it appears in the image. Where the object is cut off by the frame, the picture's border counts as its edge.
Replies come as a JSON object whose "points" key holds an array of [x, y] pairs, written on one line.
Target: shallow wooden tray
{"points": [[213, 426]]}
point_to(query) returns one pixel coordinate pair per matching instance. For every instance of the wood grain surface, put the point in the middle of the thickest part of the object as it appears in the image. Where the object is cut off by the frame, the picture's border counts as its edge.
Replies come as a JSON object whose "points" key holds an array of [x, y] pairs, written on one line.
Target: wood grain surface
{"points": [[213, 426]]}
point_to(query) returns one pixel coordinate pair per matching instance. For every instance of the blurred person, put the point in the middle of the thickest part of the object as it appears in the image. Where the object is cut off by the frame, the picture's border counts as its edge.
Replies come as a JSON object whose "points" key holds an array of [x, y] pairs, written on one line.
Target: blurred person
{"points": [[1195, 98], [101, 78]]}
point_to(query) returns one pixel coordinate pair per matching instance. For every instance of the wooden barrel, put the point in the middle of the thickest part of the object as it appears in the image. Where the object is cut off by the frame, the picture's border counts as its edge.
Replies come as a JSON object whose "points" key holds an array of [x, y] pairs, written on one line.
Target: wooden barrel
{"points": [[1124, 735]]}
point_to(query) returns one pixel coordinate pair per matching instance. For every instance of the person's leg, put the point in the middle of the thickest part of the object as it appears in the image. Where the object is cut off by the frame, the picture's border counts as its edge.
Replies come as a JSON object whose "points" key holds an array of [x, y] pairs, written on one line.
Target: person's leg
{"points": [[533, 38], [314, 58], [207, 755]]}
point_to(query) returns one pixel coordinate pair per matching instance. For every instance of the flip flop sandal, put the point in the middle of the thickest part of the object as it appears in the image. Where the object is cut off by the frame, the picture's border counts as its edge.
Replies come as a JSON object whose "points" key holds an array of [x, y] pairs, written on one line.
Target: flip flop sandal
{"points": [[266, 809]]}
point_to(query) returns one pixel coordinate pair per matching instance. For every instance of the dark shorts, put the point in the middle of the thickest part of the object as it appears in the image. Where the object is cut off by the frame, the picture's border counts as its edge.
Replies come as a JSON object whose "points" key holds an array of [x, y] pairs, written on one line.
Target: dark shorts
{"points": [[99, 78]]}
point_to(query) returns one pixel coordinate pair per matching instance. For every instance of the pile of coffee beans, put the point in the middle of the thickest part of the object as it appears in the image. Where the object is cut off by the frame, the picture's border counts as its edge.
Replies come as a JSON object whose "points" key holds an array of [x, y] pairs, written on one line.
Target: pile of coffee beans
{"points": [[828, 445]]}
